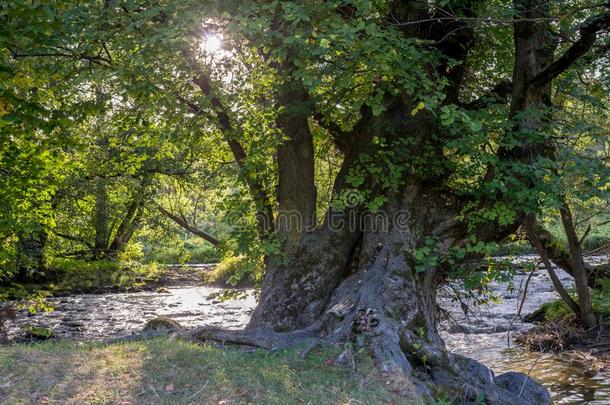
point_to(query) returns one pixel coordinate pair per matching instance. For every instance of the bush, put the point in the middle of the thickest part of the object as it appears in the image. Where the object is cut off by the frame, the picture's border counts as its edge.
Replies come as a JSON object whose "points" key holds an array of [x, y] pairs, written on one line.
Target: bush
{"points": [[594, 242], [556, 310], [601, 298], [178, 252], [235, 271], [84, 275]]}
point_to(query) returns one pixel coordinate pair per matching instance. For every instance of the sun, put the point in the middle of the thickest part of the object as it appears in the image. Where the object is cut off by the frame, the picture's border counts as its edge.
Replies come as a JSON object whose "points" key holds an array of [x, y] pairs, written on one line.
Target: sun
{"points": [[212, 43]]}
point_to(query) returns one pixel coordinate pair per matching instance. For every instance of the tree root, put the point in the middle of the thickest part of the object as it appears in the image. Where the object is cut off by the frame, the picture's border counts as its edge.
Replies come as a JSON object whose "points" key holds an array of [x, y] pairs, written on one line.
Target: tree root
{"points": [[263, 339]]}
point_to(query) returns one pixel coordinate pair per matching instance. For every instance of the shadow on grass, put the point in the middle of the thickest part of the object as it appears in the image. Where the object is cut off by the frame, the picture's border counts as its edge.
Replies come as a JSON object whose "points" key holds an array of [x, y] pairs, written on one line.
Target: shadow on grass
{"points": [[175, 372]]}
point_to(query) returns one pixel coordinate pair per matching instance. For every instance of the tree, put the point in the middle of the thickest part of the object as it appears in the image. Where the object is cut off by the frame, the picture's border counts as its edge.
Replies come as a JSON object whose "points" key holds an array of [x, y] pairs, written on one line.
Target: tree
{"points": [[433, 166]]}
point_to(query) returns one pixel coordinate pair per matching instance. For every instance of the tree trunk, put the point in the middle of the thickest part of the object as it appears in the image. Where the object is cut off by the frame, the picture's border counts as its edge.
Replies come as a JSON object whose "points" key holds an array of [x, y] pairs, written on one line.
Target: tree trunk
{"points": [[130, 222], [296, 191], [578, 267], [381, 302], [30, 252], [533, 235], [102, 231]]}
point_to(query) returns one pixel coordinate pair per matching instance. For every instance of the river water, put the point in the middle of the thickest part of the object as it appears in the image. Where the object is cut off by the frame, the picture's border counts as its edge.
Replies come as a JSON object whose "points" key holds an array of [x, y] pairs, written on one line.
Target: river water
{"points": [[483, 335]]}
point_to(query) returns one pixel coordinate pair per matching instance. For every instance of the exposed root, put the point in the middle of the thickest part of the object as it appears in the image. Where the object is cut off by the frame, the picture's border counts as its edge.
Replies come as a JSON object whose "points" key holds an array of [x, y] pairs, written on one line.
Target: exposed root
{"points": [[347, 357], [308, 349], [264, 339]]}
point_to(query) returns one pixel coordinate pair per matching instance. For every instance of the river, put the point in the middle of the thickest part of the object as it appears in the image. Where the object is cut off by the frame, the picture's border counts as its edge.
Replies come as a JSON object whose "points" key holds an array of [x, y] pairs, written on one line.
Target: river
{"points": [[482, 335]]}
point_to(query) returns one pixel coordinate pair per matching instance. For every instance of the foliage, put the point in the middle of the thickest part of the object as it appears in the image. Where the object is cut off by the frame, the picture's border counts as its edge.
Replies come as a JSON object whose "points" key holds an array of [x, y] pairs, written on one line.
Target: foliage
{"points": [[235, 270], [102, 122], [72, 275]]}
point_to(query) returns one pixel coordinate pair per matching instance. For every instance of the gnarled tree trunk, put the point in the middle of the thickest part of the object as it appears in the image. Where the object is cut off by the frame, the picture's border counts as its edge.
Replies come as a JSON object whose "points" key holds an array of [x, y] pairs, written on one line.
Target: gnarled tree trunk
{"points": [[345, 282]]}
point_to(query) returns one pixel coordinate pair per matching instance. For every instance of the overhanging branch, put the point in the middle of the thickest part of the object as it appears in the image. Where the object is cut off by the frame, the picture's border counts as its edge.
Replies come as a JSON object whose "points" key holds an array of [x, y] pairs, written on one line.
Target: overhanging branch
{"points": [[184, 224], [588, 35]]}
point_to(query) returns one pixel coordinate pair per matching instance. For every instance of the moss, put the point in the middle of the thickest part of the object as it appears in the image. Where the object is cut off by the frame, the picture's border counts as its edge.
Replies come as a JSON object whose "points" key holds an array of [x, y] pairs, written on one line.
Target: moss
{"points": [[556, 310], [38, 333]]}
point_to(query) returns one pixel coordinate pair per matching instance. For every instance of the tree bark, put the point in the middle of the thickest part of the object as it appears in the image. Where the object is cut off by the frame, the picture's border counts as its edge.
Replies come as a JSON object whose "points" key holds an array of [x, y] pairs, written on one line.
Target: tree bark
{"points": [[296, 190]]}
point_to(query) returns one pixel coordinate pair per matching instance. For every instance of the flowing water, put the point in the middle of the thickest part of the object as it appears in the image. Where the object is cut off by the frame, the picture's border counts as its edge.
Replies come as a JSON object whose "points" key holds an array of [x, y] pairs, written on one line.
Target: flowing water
{"points": [[483, 335]]}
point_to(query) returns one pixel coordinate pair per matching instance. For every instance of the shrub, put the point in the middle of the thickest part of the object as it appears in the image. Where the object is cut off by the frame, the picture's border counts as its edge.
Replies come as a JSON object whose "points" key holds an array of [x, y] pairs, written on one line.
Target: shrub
{"points": [[556, 310], [83, 275], [234, 271]]}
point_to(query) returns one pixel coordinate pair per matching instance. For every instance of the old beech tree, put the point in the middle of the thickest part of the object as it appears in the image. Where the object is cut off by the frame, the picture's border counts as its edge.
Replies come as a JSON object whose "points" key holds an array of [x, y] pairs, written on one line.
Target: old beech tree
{"points": [[439, 113], [338, 282]]}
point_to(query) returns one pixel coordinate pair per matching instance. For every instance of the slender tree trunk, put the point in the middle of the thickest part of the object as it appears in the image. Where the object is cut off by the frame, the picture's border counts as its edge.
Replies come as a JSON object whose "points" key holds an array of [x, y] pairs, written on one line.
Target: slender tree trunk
{"points": [[578, 267], [102, 231], [556, 252], [128, 226], [533, 235]]}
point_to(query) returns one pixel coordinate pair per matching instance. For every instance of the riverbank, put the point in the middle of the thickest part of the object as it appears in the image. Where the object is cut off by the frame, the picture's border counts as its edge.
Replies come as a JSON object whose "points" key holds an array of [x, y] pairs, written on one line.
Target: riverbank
{"points": [[171, 372], [487, 333], [558, 331], [103, 277]]}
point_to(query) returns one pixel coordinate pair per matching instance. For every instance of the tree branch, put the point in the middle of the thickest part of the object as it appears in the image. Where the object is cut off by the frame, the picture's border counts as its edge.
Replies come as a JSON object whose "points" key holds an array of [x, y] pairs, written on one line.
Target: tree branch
{"points": [[497, 95], [264, 215], [184, 224], [73, 238], [588, 35]]}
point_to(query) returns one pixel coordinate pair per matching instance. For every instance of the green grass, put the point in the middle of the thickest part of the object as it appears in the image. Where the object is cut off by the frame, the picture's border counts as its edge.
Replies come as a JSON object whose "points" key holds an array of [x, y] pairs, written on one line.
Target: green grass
{"points": [[177, 372]]}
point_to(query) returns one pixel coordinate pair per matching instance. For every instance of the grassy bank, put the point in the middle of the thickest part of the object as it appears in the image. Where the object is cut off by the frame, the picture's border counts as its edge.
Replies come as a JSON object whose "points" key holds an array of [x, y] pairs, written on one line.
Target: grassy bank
{"points": [[175, 372]]}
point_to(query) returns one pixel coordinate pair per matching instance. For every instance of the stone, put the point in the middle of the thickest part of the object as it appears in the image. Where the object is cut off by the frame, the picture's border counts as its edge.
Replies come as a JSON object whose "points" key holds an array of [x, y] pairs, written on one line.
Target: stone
{"points": [[477, 370], [523, 387], [162, 323]]}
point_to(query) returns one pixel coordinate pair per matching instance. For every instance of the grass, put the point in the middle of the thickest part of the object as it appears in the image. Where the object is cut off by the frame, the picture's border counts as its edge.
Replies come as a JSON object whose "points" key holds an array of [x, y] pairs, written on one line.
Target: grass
{"points": [[176, 372]]}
